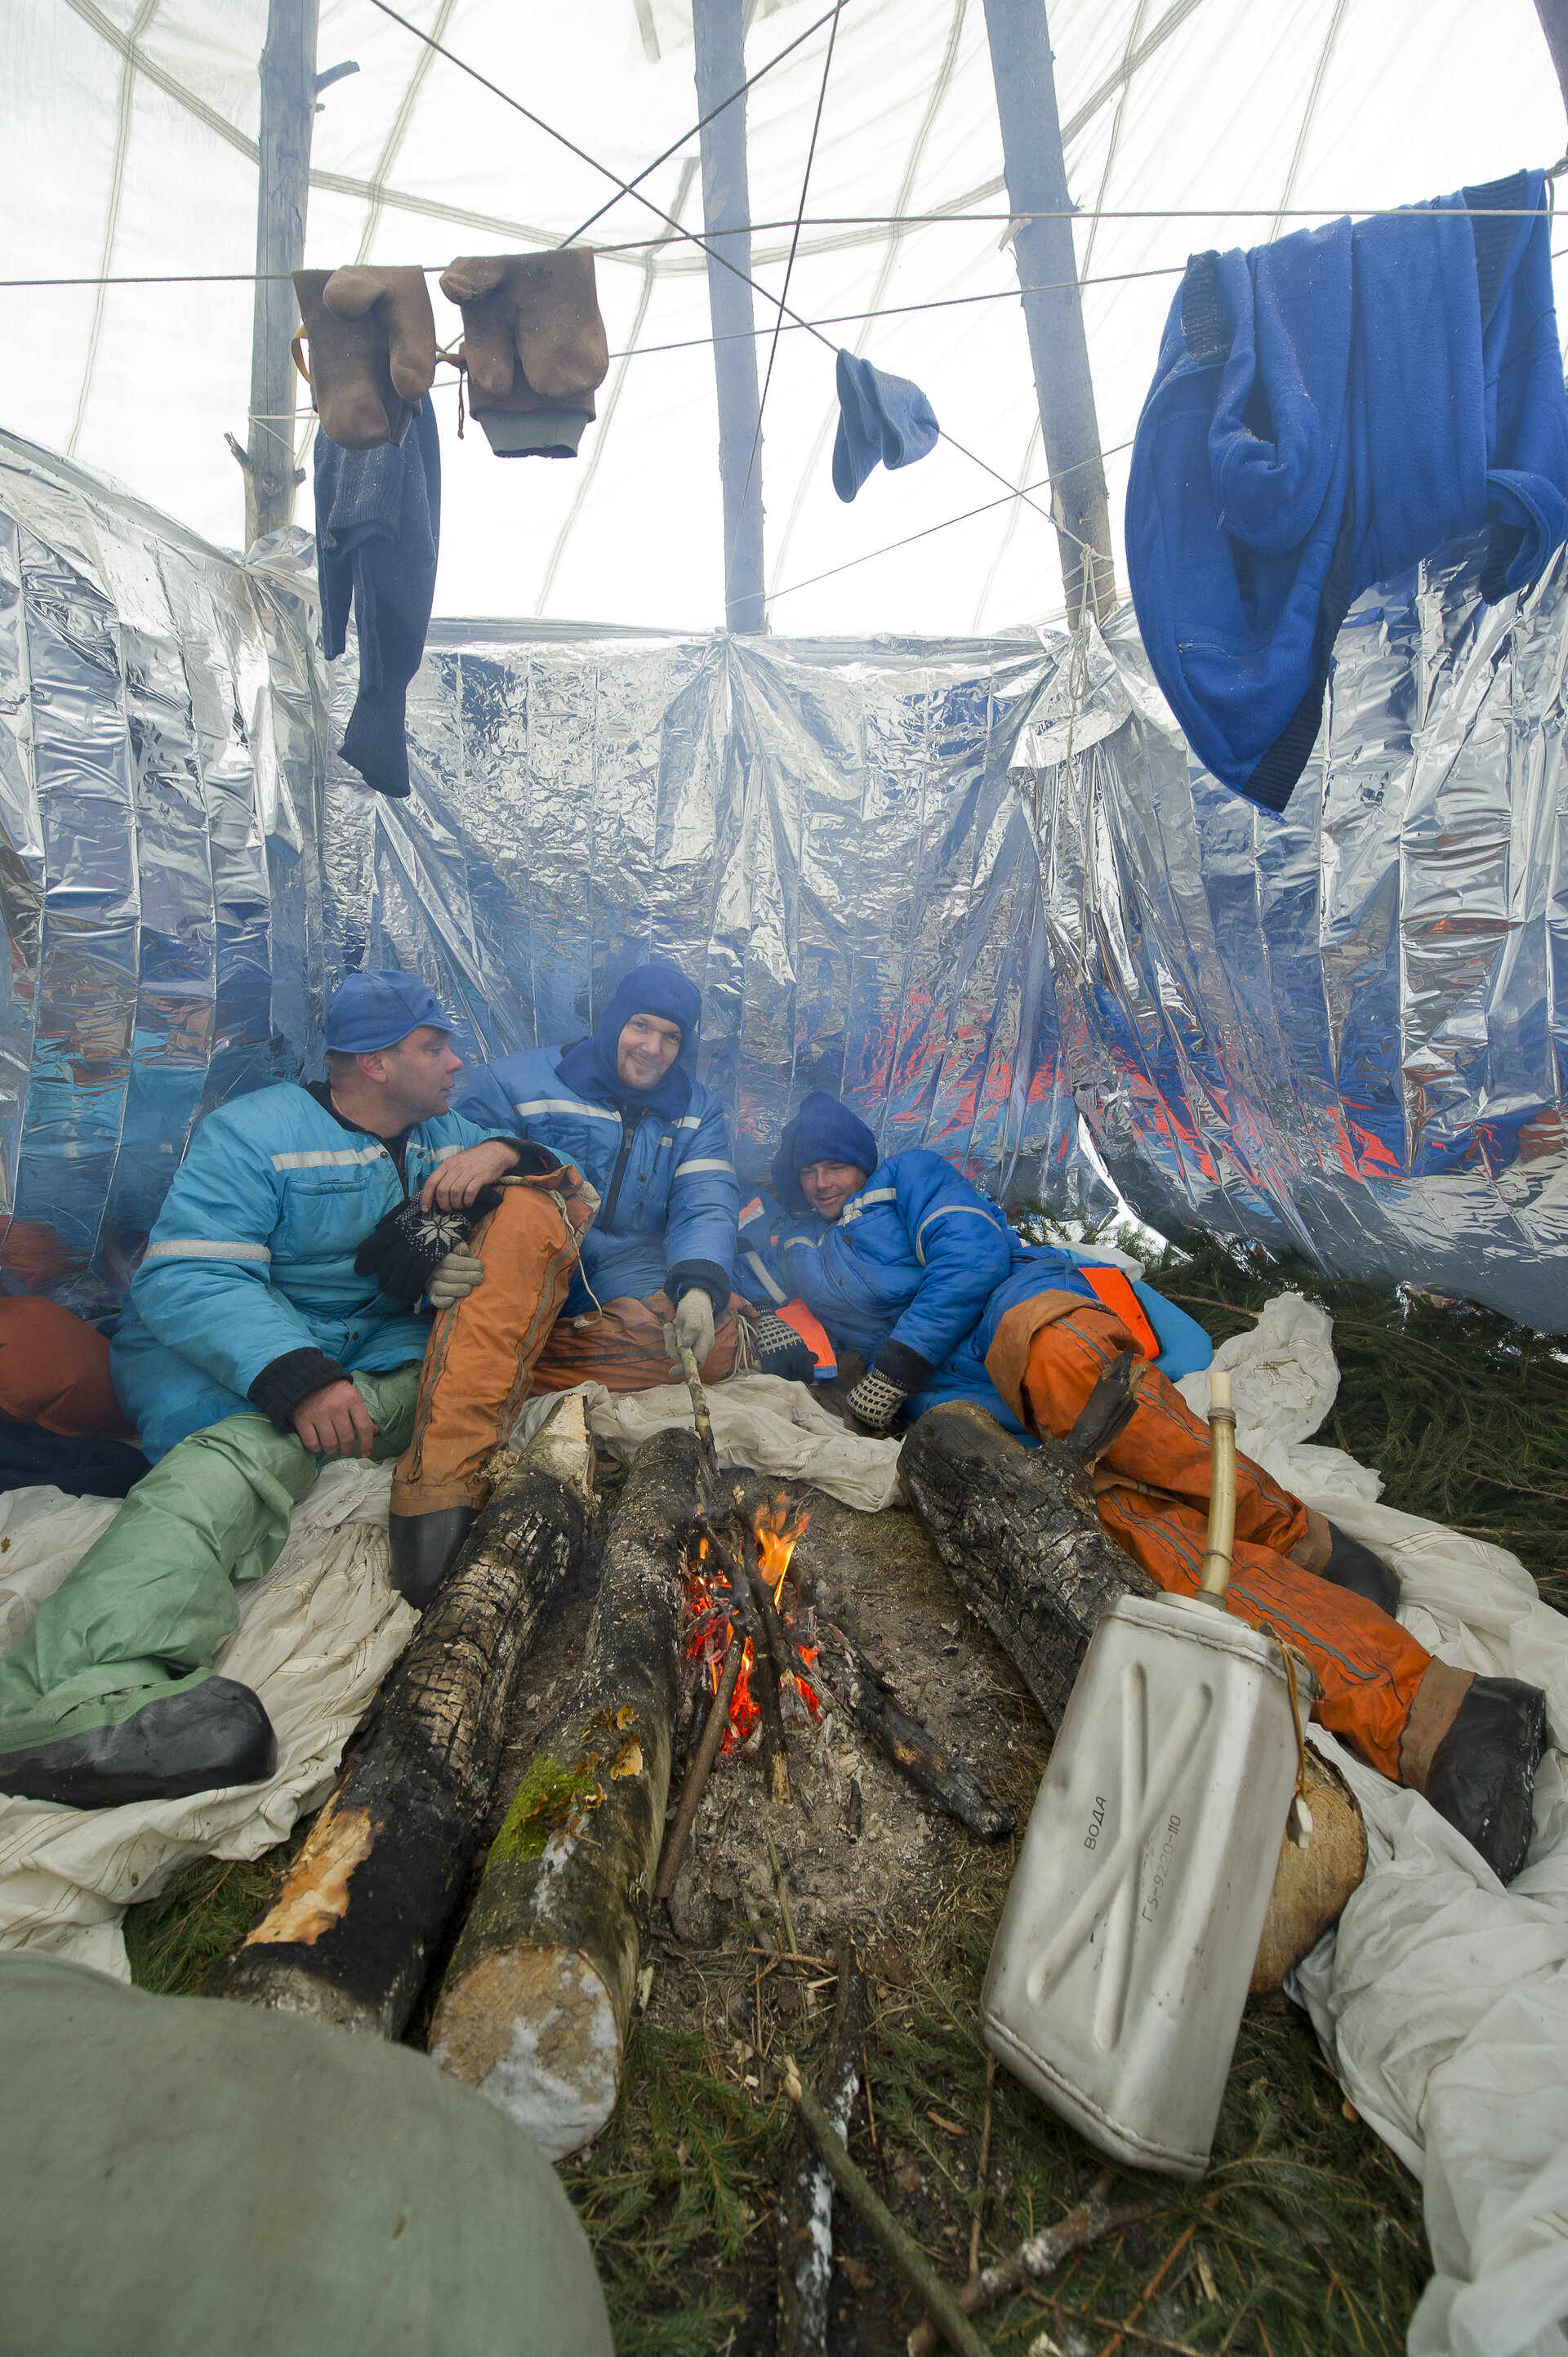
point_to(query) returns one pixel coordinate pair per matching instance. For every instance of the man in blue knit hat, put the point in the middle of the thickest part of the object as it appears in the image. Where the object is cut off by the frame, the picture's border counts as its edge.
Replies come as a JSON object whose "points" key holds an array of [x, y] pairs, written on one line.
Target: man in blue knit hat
{"points": [[312, 1239], [625, 1107]]}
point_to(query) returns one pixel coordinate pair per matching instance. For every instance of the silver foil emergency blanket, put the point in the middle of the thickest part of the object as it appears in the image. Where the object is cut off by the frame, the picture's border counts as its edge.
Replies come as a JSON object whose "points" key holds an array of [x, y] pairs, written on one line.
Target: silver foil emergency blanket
{"points": [[1341, 1033]]}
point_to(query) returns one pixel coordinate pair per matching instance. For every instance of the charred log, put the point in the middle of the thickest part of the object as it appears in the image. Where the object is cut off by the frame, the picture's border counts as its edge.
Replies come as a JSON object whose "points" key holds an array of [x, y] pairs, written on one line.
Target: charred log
{"points": [[865, 1694], [537, 2000], [350, 1936], [1019, 1531]]}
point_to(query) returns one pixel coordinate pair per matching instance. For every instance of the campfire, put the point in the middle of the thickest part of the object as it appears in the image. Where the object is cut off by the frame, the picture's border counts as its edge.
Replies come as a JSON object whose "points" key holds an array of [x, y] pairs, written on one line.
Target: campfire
{"points": [[762, 1549]]}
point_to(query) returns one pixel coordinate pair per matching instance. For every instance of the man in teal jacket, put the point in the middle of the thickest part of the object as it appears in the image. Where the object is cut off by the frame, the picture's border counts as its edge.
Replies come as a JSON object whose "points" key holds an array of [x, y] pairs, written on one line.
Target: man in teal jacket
{"points": [[279, 1318]]}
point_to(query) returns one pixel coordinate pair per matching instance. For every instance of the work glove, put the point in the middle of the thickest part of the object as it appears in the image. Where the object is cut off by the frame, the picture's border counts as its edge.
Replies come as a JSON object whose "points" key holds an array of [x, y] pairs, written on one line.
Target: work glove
{"points": [[455, 1278], [874, 1401], [371, 337], [533, 315], [404, 1251], [781, 1351], [694, 1323]]}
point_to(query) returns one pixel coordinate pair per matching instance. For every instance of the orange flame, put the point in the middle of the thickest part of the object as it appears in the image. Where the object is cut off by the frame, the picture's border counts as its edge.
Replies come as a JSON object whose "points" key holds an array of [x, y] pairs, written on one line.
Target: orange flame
{"points": [[775, 1541]]}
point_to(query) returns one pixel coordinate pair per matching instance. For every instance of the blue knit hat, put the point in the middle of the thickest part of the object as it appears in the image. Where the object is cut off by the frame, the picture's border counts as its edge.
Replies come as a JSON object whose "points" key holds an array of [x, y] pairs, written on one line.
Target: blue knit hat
{"points": [[657, 988], [377, 1010], [822, 1131], [880, 417]]}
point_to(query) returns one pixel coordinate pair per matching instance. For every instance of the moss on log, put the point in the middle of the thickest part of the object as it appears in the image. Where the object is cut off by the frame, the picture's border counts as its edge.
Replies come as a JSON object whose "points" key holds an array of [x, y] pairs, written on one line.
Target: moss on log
{"points": [[537, 2000]]}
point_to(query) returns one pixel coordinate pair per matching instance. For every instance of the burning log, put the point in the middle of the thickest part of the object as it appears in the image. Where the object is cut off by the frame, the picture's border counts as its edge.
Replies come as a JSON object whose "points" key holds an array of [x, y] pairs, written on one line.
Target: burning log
{"points": [[537, 2000], [746, 1603], [806, 2212], [350, 1936], [1019, 1532], [697, 1775], [865, 1694]]}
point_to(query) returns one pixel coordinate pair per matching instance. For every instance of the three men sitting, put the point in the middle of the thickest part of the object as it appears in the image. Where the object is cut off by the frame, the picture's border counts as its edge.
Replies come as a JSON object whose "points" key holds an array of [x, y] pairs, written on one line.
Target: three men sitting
{"points": [[356, 1268]]}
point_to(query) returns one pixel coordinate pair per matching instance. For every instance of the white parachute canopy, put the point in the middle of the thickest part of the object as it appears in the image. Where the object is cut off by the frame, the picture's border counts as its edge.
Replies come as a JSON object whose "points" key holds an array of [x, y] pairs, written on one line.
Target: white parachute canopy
{"points": [[131, 152]]}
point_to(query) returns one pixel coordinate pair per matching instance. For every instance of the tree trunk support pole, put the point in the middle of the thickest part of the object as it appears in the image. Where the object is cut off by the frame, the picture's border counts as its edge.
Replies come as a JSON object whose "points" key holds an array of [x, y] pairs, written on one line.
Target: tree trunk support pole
{"points": [[719, 27], [1035, 172], [288, 115]]}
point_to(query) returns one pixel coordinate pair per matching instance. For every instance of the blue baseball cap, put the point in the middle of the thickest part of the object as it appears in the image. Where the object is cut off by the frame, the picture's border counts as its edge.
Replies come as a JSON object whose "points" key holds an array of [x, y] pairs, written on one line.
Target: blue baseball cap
{"points": [[377, 1010]]}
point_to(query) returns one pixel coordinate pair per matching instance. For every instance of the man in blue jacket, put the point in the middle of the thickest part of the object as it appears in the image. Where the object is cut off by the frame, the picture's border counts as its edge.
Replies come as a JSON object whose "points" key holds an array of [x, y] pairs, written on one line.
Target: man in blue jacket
{"points": [[625, 1107], [900, 1260], [280, 1317]]}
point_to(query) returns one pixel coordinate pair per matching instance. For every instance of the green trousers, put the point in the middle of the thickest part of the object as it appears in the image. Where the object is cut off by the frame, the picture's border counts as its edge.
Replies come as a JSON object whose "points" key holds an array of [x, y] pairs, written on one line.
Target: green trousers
{"points": [[151, 1601]]}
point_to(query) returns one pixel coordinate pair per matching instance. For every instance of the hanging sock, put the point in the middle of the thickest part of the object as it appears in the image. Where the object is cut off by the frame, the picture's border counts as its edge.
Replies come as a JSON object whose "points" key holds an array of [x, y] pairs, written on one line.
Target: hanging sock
{"points": [[378, 527], [535, 344], [371, 338], [881, 417]]}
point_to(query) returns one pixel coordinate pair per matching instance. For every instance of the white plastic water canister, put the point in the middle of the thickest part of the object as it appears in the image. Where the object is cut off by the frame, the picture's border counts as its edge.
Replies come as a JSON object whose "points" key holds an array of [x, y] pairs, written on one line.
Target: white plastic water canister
{"points": [[1121, 1966]]}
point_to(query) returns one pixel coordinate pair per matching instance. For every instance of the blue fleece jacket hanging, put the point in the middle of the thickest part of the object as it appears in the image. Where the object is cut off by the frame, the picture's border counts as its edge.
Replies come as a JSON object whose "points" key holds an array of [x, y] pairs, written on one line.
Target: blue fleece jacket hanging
{"points": [[1326, 412], [657, 988], [882, 418], [822, 1131], [378, 529]]}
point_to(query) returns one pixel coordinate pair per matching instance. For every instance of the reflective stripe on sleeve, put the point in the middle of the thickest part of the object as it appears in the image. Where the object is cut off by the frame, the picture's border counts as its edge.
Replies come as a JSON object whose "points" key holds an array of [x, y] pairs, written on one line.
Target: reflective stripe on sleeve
{"points": [[690, 1170], [567, 1104], [774, 1292], [341, 1157], [971, 1210], [204, 1248], [853, 1210]]}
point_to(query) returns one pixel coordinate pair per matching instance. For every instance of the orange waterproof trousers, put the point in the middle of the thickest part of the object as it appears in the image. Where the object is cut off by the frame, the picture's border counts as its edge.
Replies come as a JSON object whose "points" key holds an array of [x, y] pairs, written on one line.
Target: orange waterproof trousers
{"points": [[1367, 1666], [481, 1357], [623, 1348]]}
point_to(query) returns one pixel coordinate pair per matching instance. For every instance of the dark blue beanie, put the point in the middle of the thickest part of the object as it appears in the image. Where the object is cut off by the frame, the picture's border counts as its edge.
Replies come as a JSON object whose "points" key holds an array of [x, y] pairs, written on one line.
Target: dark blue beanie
{"points": [[657, 988], [881, 418], [822, 1131]]}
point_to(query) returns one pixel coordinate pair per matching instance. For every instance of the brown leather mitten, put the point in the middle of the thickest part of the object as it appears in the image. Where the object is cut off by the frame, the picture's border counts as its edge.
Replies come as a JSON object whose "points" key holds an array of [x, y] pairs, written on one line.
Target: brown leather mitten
{"points": [[534, 344], [371, 334]]}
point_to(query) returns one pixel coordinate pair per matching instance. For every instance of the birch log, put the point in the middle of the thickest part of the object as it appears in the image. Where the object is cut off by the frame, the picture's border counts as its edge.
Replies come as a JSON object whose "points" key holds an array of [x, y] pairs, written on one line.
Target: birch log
{"points": [[537, 2001], [350, 1937]]}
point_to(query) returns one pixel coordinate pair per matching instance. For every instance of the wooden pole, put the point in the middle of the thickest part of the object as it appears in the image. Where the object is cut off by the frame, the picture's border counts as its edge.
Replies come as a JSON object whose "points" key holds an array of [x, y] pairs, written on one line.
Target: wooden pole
{"points": [[719, 30], [1553, 16], [1035, 172], [288, 114]]}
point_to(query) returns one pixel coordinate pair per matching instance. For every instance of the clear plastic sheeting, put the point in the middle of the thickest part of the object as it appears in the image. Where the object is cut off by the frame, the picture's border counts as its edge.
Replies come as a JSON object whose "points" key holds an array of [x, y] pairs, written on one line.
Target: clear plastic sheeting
{"points": [[1341, 1032]]}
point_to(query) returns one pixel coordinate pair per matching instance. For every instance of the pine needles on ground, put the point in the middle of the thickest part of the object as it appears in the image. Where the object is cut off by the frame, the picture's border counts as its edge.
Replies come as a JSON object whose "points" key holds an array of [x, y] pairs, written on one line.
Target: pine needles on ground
{"points": [[1463, 1413], [204, 1911]]}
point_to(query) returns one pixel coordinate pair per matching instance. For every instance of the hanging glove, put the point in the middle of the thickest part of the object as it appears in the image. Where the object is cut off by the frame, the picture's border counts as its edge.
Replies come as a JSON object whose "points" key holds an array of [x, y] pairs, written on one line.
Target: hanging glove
{"points": [[530, 315], [694, 1323], [874, 1401], [371, 337], [781, 1351], [454, 1278], [404, 1251]]}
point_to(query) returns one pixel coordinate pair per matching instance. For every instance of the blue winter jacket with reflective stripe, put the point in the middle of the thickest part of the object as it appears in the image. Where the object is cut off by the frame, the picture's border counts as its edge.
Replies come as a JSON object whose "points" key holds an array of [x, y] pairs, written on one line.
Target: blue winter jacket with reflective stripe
{"points": [[912, 1259], [669, 1199], [253, 1256]]}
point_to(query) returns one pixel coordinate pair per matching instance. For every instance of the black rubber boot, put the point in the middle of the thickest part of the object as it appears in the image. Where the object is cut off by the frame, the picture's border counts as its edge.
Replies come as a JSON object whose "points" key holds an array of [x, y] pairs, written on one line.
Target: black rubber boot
{"points": [[1482, 1776], [423, 1549], [200, 1740], [1353, 1567]]}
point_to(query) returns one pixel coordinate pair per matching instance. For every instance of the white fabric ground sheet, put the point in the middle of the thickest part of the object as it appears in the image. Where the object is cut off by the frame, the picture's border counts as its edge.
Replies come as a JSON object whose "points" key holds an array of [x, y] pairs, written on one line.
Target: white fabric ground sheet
{"points": [[316, 1638], [1442, 1999], [760, 1421]]}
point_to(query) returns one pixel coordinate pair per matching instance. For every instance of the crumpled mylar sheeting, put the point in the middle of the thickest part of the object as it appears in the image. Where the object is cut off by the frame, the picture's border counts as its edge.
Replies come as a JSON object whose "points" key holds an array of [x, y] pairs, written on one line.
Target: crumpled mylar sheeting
{"points": [[976, 884]]}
